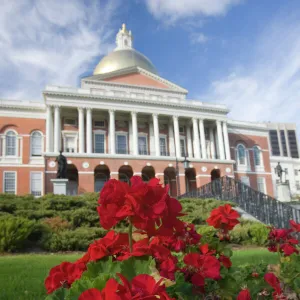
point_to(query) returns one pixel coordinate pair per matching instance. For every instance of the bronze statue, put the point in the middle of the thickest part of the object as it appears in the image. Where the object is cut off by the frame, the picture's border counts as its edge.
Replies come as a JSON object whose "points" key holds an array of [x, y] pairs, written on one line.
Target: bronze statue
{"points": [[279, 171], [62, 166]]}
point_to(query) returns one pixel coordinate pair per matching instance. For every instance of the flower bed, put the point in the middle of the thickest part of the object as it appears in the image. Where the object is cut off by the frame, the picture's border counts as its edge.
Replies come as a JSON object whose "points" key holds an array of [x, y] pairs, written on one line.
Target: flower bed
{"points": [[162, 257]]}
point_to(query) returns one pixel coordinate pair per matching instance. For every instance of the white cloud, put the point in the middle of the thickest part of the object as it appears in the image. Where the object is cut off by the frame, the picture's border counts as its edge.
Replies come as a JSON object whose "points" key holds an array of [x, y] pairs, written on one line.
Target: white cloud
{"points": [[267, 88], [50, 42], [172, 10], [198, 38]]}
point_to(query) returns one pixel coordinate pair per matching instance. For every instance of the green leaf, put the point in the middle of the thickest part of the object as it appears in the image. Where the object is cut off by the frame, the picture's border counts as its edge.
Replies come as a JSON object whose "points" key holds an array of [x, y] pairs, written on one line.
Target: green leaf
{"points": [[60, 294], [78, 287], [227, 252], [135, 266], [103, 266], [296, 284]]}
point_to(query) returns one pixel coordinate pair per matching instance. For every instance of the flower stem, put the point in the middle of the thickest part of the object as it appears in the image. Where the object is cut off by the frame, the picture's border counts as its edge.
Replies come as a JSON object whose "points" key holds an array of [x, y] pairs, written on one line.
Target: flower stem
{"points": [[130, 236]]}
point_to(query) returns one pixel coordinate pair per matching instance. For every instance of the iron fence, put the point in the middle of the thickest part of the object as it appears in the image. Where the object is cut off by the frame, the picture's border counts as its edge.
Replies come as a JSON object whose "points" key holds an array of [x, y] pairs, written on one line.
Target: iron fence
{"points": [[264, 208]]}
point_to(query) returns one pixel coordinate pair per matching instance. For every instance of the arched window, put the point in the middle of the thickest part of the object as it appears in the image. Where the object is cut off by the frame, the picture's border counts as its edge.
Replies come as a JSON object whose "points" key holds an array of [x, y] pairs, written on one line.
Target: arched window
{"points": [[257, 156], [36, 143], [11, 143], [241, 155]]}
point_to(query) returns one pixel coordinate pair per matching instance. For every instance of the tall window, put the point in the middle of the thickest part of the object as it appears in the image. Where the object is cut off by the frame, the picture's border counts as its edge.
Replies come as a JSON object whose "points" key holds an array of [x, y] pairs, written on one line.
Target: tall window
{"points": [[143, 149], [293, 143], [274, 142], [99, 143], [245, 180], [11, 144], [36, 183], [261, 187], [163, 146], [10, 182], [241, 155], [70, 144], [182, 147], [121, 143], [298, 185], [36, 143], [257, 156], [283, 143]]}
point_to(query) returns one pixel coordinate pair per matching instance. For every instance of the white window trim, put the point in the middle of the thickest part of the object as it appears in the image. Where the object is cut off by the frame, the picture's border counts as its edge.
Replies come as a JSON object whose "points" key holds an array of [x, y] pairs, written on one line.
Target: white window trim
{"points": [[261, 167], [143, 134], [99, 131], [246, 166], [42, 182], [70, 133], [16, 180], [123, 133], [17, 144], [43, 149], [248, 179], [163, 136], [185, 148], [264, 184]]}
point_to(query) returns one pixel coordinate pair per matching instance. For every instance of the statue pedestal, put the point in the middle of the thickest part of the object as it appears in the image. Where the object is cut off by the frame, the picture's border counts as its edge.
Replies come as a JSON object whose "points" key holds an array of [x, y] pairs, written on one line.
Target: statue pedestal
{"points": [[60, 186], [283, 192]]}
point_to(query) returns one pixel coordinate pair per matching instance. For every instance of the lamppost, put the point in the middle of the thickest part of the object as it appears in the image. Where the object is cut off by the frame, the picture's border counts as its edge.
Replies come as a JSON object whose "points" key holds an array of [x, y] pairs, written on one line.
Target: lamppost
{"points": [[186, 164]]}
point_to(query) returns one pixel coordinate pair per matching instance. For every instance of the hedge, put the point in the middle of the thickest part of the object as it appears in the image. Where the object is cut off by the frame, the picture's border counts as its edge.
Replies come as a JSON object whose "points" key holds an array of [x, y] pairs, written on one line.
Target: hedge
{"points": [[66, 223]]}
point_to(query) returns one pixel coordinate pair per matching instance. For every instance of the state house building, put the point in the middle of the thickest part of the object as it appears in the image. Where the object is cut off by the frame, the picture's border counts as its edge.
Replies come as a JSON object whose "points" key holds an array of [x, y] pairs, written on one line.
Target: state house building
{"points": [[126, 120]]}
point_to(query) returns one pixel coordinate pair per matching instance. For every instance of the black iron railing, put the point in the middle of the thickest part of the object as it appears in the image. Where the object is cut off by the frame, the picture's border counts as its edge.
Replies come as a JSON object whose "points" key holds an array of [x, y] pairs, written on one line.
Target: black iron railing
{"points": [[261, 206]]}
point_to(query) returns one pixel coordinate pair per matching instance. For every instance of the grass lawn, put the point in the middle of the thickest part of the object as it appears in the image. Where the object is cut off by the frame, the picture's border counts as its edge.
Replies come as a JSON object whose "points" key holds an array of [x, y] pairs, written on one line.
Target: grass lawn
{"points": [[22, 276]]}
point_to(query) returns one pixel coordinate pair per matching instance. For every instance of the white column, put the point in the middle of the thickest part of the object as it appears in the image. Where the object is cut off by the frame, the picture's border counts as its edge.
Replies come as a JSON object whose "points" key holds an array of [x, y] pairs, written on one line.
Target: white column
{"points": [[130, 138], [226, 141], [177, 136], [156, 134], [81, 129], [49, 130], [171, 139], [287, 143], [112, 133], [202, 139], [89, 131], [212, 143], [57, 130], [189, 140], [220, 140], [196, 139], [134, 133]]}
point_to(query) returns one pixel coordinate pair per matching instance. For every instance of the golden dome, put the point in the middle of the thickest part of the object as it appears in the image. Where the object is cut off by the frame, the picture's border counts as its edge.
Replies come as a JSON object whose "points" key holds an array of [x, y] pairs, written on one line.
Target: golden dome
{"points": [[124, 56], [122, 59]]}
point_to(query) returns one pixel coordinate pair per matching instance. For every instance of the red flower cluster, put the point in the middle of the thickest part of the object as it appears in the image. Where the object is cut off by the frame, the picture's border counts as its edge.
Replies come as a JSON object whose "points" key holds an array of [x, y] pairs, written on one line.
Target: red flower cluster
{"points": [[200, 267], [282, 240], [184, 235], [141, 287], [223, 218], [64, 275], [295, 227], [146, 205], [274, 282], [244, 294]]}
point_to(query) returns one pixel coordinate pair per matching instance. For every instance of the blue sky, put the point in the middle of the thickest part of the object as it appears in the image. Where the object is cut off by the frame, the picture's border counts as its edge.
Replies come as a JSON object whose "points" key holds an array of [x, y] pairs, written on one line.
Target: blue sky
{"points": [[243, 53]]}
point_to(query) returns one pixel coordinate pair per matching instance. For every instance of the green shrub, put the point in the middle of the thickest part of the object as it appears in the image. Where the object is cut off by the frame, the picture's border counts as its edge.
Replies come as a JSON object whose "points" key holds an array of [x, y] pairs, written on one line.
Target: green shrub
{"points": [[259, 234], [8, 207], [35, 214], [206, 232], [84, 217], [14, 232], [73, 240]]}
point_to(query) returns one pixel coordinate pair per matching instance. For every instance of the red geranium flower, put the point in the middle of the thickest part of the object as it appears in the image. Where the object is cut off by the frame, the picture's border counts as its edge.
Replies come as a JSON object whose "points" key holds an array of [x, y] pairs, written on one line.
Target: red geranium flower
{"points": [[141, 287], [223, 217], [244, 295], [295, 226], [200, 267], [205, 250], [225, 261], [91, 294], [274, 282], [63, 275]]}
